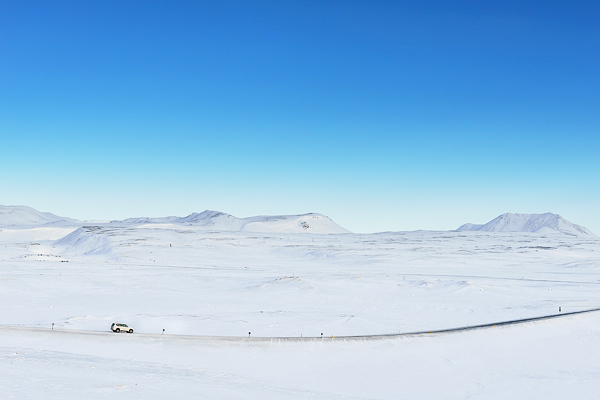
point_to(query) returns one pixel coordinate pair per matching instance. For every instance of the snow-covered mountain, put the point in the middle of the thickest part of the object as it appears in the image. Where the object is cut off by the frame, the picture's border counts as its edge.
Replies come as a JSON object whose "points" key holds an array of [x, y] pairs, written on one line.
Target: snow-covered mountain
{"points": [[27, 216], [149, 220], [311, 223], [539, 223], [219, 221]]}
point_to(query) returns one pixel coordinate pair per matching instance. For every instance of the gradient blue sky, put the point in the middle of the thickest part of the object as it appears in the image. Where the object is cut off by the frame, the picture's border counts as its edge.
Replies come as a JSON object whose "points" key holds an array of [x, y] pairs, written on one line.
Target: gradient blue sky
{"points": [[381, 115]]}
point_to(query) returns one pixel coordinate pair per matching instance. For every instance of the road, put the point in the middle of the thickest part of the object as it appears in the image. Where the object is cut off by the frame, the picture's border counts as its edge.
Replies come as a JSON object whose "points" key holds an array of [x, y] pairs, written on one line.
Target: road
{"points": [[208, 339]]}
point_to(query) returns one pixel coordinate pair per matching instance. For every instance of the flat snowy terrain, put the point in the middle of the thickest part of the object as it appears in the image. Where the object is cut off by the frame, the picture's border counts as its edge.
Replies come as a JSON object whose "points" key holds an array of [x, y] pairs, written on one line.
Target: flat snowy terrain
{"points": [[196, 283]]}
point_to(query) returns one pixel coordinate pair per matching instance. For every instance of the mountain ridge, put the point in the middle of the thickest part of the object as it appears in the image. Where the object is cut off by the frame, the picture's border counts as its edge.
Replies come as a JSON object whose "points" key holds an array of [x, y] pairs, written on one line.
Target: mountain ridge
{"points": [[535, 223], [217, 220], [27, 216]]}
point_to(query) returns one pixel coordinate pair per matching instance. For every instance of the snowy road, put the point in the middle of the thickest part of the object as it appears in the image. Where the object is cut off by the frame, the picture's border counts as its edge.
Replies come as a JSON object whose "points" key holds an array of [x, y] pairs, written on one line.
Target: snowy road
{"points": [[141, 336], [549, 359]]}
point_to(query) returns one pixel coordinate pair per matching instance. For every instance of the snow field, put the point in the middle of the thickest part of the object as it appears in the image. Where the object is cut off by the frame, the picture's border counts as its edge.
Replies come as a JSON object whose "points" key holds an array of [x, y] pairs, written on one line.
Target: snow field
{"points": [[197, 282], [543, 360]]}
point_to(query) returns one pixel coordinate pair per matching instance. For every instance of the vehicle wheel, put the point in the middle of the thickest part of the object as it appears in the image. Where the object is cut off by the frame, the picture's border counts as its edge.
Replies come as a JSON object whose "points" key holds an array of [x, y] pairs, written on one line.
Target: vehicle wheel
{"points": [[131, 331], [118, 330]]}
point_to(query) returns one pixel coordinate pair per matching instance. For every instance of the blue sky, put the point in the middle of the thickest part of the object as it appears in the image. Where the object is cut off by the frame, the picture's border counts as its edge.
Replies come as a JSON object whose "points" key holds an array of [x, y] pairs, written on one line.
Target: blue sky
{"points": [[381, 115]]}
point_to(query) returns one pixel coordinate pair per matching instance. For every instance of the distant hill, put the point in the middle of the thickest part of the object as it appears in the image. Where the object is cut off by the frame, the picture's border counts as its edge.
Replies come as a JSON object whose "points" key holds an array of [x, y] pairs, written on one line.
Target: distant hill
{"points": [[539, 223], [27, 217], [22, 216], [219, 221]]}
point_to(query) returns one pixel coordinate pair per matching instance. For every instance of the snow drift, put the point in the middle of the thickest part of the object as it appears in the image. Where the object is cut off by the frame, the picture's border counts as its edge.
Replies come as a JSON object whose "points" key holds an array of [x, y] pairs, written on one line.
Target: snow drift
{"points": [[538, 223], [84, 241]]}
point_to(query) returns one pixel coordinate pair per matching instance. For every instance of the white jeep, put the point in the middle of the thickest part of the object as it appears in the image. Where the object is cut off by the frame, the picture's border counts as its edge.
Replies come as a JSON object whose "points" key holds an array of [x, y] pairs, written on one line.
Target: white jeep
{"points": [[121, 328]]}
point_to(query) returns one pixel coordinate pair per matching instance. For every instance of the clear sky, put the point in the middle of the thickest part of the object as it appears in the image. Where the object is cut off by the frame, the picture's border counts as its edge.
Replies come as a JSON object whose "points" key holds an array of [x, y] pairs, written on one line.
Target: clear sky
{"points": [[381, 115]]}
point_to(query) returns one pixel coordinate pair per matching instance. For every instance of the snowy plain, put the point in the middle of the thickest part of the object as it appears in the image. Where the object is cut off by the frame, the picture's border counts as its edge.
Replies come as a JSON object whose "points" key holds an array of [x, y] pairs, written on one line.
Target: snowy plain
{"points": [[218, 286]]}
